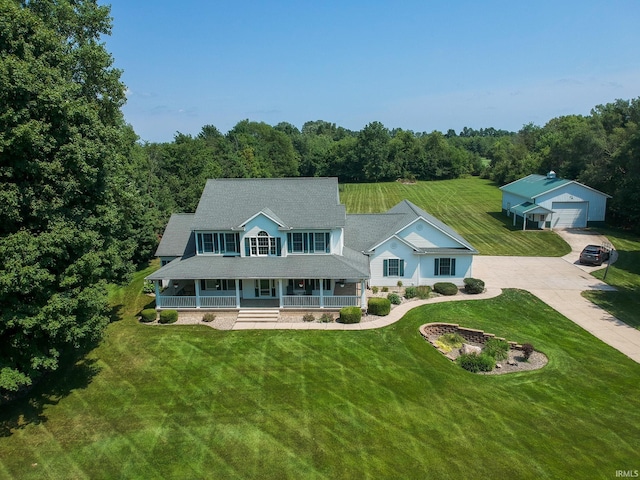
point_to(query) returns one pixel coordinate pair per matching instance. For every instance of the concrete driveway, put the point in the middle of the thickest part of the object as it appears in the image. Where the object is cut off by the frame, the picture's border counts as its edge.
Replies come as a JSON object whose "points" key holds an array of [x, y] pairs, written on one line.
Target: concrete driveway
{"points": [[558, 282]]}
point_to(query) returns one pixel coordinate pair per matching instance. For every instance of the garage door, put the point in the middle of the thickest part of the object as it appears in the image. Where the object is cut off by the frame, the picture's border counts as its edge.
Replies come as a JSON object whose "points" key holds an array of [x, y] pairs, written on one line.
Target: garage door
{"points": [[569, 214]]}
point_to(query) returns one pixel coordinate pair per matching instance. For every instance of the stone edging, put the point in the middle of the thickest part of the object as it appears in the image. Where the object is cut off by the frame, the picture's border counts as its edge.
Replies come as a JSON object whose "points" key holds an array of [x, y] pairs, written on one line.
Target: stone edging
{"points": [[469, 334]]}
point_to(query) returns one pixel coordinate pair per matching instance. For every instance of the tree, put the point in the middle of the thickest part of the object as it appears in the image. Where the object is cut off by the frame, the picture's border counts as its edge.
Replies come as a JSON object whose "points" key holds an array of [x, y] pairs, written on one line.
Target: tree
{"points": [[63, 143]]}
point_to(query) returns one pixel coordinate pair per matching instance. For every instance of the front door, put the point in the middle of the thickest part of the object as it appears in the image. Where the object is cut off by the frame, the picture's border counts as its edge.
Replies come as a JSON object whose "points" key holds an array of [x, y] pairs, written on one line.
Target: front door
{"points": [[265, 288]]}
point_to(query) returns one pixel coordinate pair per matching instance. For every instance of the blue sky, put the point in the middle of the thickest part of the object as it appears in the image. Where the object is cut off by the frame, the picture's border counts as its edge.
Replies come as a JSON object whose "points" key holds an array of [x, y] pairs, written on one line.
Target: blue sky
{"points": [[416, 65]]}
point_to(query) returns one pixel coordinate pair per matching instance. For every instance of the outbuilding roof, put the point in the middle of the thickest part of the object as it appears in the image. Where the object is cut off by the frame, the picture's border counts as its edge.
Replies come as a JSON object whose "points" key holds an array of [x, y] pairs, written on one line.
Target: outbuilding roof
{"points": [[534, 185]]}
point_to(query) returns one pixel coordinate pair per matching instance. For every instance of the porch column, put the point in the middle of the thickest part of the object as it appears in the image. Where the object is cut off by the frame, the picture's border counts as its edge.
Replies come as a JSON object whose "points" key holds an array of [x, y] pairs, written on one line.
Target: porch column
{"points": [[280, 293], [237, 293], [514, 218], [158, 302], [363, 299], [524, 222], [197, 284], [551, 222], [321, 293]]}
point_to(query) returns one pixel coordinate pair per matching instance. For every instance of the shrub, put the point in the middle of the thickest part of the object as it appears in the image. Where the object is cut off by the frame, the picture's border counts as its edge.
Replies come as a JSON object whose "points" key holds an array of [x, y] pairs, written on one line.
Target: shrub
{"points": [[399, 283], [374, 289], [496, 348], [394, 298], [445, 288], [379, 306], [385, 289], [148, 287], [148, 315], [410, 292], [168, 316], [473, 362], [527, 350], [328, 318], [350, 315], [473, 285], [423, 292], [453, 340], [209, 317], [308, 317]]}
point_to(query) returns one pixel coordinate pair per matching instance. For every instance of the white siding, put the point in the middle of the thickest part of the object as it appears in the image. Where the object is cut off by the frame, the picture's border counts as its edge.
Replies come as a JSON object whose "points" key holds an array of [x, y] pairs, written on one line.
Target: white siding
{"points": [[424, 235], [418, 269], [510, 200], [577, 193]]}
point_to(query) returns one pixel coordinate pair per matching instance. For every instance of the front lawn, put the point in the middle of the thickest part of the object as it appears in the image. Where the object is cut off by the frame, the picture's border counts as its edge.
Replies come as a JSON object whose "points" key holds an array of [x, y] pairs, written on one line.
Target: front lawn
{"points": [[471, 206], [193, 402]]}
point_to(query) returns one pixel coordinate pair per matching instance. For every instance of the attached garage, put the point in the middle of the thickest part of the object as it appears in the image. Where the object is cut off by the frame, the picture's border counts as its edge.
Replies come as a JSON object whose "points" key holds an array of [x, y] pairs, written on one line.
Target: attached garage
{"points": [[570, 214], [557, 202]]}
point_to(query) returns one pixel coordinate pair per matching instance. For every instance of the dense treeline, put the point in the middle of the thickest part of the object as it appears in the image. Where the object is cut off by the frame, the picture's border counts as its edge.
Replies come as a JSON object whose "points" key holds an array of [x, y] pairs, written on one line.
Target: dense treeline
{"points": [[84, 201], [600, 150]]}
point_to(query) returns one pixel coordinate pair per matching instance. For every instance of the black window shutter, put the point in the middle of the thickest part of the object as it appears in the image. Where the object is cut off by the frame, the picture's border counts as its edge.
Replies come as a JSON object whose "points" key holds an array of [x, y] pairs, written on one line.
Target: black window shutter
{"points": [[327, 241], [247, 248], [453, 267], [278, 247], [436, 267], [385, 268], [401, 262]]}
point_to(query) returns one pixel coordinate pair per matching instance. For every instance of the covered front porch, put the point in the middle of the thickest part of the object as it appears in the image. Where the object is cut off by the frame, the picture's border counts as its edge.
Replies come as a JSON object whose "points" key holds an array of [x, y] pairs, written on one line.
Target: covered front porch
{"points": [[260, 293], [533, 216]]}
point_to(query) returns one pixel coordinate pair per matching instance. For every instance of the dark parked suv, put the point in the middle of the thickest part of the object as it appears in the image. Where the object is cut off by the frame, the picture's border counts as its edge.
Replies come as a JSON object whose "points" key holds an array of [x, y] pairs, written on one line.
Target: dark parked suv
{"points": [[594, 255]]}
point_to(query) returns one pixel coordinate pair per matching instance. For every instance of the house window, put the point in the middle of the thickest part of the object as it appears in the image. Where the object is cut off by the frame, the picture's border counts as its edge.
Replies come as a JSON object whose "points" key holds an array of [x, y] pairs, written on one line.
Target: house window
{"points": [[218, 243], [393, 267], [309, 242], [445, 267], [217, 284], [264, 245]]}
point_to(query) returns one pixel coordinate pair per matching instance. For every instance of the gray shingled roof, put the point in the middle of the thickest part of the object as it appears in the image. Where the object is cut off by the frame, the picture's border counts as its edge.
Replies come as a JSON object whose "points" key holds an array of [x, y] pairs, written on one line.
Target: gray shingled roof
{"points": [[350, 265], [297, 202], [177, 239], [363, 232]]}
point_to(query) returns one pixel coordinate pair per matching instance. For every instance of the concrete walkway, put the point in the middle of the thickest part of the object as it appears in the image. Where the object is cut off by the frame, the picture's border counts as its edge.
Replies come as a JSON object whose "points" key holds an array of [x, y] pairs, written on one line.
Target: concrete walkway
{"points": [[556, 281]]}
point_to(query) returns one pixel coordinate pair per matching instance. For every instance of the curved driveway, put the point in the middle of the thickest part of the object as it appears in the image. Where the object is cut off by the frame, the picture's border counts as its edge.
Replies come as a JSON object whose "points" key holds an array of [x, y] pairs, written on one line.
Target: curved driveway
{"points": [[559, 282]]}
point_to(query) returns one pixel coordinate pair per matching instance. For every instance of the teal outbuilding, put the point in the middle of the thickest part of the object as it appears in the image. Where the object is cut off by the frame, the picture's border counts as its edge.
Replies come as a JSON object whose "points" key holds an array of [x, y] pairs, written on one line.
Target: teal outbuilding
{"points": [[546, 201]]}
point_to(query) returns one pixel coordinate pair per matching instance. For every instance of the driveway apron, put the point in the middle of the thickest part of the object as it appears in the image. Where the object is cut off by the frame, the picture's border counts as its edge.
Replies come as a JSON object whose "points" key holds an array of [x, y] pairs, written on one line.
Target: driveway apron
{"points": [[558, 282]]}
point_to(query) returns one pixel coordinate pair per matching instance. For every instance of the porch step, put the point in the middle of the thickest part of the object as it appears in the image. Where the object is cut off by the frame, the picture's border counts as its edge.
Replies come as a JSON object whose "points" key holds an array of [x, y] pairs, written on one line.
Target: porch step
{"points": [[258, 315]]}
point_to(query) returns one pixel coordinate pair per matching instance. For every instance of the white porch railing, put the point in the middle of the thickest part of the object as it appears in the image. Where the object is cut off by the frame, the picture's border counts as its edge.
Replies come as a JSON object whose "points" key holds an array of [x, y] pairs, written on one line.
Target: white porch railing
{"points": [[313, 301], [342, 301], [175, 302], [218, 302]]}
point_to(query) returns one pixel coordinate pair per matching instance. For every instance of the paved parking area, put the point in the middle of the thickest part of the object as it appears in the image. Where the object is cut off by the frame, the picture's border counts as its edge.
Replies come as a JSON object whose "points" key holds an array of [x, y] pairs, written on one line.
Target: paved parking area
{"points": [[559, 282]]}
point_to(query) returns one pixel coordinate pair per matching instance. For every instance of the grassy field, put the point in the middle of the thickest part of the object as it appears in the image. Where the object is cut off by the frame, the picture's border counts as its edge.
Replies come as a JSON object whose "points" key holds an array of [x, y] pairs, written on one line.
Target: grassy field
{"points": [[192, 402], [624, 304], [472, 206]]}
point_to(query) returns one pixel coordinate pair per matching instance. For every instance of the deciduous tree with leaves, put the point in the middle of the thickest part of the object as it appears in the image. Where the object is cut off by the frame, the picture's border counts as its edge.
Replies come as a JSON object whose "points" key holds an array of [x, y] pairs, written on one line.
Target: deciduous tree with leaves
{"points": [[69, 208]]}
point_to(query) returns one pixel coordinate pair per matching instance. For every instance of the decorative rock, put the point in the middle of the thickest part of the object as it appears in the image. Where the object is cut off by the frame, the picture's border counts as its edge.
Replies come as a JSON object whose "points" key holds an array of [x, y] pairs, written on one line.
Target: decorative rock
{"points": [[511, 362], [466, 349], [498, 365]]}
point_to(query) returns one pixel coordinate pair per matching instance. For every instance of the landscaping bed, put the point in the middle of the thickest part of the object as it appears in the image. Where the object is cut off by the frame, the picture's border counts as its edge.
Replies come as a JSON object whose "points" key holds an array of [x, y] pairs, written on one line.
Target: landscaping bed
{"points": [[470, 339]]}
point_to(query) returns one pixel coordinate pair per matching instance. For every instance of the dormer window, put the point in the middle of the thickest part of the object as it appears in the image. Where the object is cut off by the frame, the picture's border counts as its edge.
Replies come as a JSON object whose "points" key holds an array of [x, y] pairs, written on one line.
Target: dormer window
{"points": [[263, 245]]}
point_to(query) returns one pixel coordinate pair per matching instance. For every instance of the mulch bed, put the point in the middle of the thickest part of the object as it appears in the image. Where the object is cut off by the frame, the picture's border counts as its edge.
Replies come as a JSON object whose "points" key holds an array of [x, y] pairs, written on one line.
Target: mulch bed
{"points": [[514, 363]]}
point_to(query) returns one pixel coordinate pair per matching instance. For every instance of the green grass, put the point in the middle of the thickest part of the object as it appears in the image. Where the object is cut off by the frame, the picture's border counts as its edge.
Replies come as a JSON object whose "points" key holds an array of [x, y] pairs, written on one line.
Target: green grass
{"points": [[471, 206], [193, 402], [624, 304]]}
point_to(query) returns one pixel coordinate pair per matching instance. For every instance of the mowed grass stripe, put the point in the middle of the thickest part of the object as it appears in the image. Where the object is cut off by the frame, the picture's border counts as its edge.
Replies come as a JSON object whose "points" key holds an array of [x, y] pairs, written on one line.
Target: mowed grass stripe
{"points": [[300, 404], [471, 206]]}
